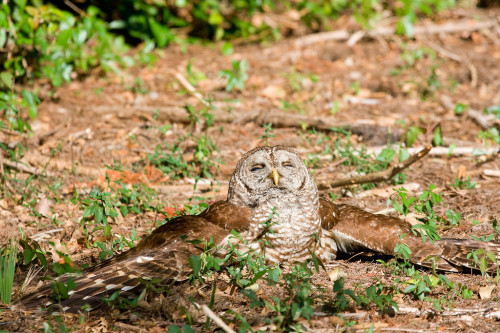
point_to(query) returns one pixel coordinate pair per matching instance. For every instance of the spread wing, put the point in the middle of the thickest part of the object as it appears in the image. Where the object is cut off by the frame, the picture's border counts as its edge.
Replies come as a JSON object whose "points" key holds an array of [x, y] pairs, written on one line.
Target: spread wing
{"points": [[161, 256], [354, 229]]}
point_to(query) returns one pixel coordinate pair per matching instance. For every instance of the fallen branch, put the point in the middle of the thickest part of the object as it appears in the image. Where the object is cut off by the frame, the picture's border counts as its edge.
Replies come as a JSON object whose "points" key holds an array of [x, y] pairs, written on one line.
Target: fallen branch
{"points": [[384, 192], [27, 168], [129, 328], [457, 58], [383, 175], [341, 35], [484, 120], [492, 173], [369, 129], [440, 151]]}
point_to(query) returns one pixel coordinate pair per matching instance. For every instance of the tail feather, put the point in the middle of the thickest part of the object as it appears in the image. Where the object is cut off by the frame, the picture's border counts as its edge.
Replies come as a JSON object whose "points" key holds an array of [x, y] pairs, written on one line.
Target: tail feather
{"points": [[455, 255], [122, 273]]}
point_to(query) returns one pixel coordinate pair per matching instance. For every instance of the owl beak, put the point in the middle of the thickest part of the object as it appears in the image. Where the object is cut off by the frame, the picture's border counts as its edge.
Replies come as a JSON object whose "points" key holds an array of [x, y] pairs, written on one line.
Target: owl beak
{"points": [[276, 176]]}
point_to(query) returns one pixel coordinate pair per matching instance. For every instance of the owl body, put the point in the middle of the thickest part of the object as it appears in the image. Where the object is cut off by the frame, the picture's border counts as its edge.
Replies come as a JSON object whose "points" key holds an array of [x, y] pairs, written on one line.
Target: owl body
{"points": [[277, 220], [273, 202]]}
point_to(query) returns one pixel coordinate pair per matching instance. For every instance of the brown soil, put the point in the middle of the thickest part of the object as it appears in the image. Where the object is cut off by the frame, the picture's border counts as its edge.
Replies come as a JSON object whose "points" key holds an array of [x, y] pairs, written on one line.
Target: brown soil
{"points": [[103, 119]]}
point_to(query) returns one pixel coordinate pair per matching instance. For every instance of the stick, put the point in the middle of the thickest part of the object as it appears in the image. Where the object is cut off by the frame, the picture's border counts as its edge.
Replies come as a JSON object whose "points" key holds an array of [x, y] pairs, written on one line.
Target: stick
{"points": [[216, 319], [341, 35], [483, 120], [185, 83], [492, 172], [27, 168], [383, 175], [129, 328], [175, 114], [385, 192], [439, 151]]}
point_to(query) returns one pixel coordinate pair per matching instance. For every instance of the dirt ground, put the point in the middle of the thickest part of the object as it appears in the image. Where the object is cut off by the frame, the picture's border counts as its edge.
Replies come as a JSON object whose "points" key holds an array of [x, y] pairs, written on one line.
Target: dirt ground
{"points": [[102, 120]]}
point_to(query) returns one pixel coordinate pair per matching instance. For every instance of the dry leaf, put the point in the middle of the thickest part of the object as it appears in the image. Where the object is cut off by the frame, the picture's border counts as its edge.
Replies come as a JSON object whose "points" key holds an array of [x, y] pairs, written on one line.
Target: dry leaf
{"points": [[485, 292], [336, 274], [462, 172]]}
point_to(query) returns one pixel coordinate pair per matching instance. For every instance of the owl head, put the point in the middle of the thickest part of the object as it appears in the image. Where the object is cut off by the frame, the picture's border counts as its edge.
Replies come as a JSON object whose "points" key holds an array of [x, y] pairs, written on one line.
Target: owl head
{"points": [[265, 168]]}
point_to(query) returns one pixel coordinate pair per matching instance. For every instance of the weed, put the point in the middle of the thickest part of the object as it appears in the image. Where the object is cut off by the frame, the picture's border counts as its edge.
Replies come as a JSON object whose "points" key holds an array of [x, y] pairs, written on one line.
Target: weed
{"points": [[463, 184], [488, 238], [8, 260], [423, 204], [268, 130], [236, 76], [490, 135]]}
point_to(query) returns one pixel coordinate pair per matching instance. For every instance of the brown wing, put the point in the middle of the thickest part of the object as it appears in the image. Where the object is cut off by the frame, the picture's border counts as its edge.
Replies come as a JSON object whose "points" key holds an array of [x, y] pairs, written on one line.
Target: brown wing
{"points": [[163, 255], [357, 230], [329, 213]]}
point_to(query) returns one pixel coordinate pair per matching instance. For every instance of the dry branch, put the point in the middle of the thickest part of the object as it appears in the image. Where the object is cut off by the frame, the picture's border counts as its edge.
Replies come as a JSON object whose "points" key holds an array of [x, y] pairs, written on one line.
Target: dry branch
{"points": [[451, 27], [383, 175], [492, 173], [440, 151], [369, 129], [27, 168]]}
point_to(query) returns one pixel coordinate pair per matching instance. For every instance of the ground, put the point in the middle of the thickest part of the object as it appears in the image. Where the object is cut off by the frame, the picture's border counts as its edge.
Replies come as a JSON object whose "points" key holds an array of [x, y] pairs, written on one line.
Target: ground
{"points": [[379, 85]]}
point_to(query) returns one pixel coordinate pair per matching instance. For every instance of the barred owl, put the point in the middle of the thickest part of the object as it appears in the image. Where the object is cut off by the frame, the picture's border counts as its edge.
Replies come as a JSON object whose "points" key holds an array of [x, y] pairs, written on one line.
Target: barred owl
{"points": [[274, 204]]}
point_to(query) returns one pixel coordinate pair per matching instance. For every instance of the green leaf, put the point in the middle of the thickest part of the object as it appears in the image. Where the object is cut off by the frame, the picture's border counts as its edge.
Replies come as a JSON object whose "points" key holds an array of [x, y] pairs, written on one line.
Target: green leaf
{"points": [[3, 37], [386, 155], [459, 108], [7, 79], [227, 48], [29, 98], [438, 138]]}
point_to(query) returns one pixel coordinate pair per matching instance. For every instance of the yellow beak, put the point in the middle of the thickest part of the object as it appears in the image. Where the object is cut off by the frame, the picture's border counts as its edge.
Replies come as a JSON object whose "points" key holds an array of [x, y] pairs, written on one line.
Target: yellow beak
{"points": [[276, 176]]}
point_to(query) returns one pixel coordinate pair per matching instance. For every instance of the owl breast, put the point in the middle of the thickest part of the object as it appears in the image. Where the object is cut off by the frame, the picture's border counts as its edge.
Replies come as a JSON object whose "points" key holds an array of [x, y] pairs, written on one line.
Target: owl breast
{"points": [[285, 226]]}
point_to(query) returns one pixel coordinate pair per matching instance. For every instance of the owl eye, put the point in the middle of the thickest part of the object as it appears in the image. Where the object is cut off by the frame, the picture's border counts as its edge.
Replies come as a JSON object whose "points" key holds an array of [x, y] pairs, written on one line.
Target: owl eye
{"points": [[287, 164], [257, 167]]}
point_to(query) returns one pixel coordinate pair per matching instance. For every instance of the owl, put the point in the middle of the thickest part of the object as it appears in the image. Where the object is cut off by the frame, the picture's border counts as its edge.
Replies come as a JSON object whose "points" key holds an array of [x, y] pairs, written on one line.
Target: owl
{"points": [[274, 205]]}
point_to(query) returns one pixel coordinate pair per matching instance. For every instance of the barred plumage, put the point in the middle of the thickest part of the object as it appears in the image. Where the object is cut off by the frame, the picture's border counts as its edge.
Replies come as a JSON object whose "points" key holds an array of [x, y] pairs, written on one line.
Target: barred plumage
{"points": [[274, 203]]}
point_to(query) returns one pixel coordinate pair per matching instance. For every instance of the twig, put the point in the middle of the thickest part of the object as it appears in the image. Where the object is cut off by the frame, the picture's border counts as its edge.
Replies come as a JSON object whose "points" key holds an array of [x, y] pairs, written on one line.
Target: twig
{"points": [[492, 173], [75, 8], [483, 120], [27, 168], [185, 83], [340, 35], [216, 319], [439, 151], [128, 328], [41, 235], [385, 192], [366, 128], [383, 175]]}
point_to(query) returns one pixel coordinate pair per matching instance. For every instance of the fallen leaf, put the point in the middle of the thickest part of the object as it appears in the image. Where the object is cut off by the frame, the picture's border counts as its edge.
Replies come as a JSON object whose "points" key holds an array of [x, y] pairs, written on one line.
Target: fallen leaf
{"points": [[485, 292], [336, 274], [462, 172], [43, 206]]}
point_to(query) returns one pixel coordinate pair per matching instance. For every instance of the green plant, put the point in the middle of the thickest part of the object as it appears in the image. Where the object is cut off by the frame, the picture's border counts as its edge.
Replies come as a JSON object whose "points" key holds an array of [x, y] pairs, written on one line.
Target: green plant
{"points": [[236, 76], [491, 134], [8, 260], [464, 184], [423, 204], [268, 130], [363, 162], [409, 10]]}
